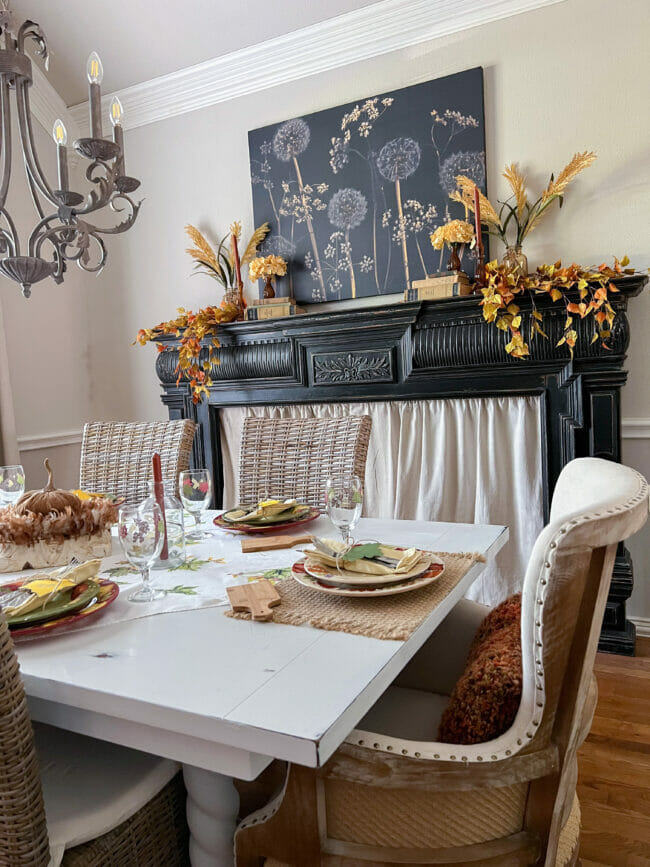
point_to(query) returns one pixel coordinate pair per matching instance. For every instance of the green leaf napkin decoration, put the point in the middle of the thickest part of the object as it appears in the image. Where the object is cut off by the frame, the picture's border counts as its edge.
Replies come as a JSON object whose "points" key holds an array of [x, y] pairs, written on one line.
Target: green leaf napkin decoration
{"points": [[359, 552]]}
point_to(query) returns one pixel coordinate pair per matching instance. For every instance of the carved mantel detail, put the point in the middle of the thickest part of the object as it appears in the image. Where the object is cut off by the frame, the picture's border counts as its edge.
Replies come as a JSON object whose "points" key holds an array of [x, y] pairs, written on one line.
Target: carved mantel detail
{"points": [[332, 368], [424, 350]]}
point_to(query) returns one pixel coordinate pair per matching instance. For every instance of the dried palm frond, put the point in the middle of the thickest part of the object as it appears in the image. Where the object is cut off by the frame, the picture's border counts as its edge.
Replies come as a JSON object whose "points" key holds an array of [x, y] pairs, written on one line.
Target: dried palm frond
{"points": [[518, 186], [255, 240], [465, 195], [202, 249], [578, 163]]}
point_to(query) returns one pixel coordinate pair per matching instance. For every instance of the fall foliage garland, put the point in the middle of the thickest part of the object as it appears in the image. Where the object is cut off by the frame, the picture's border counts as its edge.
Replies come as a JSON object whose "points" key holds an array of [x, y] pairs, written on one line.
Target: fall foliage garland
{"points": [[592, 285]]}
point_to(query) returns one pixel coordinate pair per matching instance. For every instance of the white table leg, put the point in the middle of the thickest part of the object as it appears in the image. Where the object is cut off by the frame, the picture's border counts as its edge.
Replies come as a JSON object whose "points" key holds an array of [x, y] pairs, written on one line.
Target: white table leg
{"points": [[212, 805]]}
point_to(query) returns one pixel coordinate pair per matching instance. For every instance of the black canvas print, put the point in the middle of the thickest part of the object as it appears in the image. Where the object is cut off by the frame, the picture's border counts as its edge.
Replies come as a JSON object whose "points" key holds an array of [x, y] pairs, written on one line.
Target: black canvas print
{"points": [[352, 193]]}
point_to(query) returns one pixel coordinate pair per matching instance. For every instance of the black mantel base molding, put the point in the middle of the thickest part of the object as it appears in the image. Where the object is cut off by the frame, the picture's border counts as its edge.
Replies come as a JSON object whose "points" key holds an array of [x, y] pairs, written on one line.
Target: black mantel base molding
{"points": [[424, 350]]}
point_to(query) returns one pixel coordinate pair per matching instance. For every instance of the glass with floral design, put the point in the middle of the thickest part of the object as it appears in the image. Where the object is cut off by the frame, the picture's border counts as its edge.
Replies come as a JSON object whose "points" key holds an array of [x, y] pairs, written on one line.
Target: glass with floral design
{"points": [[12, 484], [195, 487], [141, 531]]}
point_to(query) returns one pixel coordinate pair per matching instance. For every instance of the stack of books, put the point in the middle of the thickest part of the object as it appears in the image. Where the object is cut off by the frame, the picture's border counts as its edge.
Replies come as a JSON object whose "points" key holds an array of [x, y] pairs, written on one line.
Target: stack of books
{"points": [[443, 284], [272, 308]]}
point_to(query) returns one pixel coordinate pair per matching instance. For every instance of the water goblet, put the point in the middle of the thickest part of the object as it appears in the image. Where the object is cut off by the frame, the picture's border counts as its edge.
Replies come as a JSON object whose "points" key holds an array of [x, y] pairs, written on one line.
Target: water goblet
{"points": [[195, 488], [12, 484], [344, 500], [141, 531]]}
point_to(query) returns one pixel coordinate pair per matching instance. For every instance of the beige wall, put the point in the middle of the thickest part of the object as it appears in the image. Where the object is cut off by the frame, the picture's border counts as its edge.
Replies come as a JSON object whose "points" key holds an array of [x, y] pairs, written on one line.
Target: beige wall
{"points": [[569, 77]]}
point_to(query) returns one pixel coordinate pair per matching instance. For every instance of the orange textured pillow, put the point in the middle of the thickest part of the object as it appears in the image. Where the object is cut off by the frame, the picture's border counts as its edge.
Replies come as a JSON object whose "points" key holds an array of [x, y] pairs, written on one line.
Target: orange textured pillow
{"points": [[485, 699]]}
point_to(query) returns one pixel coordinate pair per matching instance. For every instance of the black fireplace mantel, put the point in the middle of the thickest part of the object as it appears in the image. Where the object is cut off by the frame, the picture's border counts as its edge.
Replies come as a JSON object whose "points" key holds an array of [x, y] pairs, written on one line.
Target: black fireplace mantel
{"points": [[423, 350]]}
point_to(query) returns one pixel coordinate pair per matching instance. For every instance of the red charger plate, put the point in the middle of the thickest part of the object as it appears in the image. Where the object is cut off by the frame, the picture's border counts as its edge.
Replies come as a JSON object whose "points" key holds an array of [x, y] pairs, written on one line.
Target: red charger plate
{"points": [[108, 593], [253, 530]]}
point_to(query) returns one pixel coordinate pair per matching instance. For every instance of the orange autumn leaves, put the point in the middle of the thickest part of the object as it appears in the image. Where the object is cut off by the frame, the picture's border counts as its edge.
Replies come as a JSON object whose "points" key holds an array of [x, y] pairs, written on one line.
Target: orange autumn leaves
{"points": [[195, 358], [590, 285]]}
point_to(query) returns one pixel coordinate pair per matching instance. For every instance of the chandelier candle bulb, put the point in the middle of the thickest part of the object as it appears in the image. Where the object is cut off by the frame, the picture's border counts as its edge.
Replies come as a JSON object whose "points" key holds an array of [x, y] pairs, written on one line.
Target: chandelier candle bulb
{"points": [[116, 115], [95, 73], [60, 136]]}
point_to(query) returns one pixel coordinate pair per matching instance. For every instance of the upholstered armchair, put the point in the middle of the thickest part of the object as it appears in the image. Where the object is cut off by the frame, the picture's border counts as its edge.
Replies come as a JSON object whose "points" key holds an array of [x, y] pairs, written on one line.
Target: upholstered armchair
{"points": [[393, 795]]}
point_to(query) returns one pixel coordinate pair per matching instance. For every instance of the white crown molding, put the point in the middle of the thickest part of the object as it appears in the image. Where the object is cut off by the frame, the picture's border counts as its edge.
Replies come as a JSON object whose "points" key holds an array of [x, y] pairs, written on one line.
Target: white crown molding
{"points": [[355, 36], [47, 106], [642, 626], [49, 441], [635, 428]]}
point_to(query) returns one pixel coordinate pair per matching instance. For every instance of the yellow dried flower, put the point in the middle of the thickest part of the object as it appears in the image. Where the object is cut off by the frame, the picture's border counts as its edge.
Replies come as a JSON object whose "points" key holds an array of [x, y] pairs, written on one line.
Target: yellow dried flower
{"points": [[454, 232], [267, 266]]}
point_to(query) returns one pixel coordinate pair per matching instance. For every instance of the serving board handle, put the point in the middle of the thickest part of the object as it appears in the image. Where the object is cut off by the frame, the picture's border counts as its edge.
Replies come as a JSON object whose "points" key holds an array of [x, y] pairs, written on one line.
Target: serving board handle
{"points": [[258, 598], [273, 543]]}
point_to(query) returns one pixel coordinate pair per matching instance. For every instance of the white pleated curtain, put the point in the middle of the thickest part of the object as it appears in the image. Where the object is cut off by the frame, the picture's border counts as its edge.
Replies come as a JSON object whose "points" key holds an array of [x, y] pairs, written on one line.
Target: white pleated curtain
{"points": [[474, 460]]}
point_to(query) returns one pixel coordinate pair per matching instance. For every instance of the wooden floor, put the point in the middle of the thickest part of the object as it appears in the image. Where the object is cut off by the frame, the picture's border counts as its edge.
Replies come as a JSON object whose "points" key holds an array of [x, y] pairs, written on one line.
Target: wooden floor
{"points": [[614, 781]]}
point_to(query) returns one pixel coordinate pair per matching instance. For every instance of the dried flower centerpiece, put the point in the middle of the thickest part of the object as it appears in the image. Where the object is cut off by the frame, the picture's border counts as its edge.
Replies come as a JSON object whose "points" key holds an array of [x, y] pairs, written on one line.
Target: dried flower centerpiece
{"points": [[517, 217], [195, 360], [51, 526], [267, 267], [454, 234], [224, 265]]}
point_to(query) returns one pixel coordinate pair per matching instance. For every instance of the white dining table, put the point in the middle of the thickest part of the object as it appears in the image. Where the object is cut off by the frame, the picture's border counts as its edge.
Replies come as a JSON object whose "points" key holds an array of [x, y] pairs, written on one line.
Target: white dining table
{"points": [[224, 697]]}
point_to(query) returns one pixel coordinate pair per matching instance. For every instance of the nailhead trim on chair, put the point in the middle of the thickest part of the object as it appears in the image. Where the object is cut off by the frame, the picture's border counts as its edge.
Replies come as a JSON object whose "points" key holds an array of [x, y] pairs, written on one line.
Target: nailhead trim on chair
{"points": [[512, 741]]}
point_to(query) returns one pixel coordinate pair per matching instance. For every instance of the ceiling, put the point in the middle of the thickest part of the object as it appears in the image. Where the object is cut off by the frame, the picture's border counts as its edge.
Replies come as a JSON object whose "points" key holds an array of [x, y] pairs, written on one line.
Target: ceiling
{"points": [[141, 39]]}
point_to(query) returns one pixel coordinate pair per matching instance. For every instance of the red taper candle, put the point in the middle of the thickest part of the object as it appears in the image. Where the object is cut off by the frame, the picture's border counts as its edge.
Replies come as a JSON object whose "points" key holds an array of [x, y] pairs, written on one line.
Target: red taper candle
{"points": [[159, 494], [477, 221]]}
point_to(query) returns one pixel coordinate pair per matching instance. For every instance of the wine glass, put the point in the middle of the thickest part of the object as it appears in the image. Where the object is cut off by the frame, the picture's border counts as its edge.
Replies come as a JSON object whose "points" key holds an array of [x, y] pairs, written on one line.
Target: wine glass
{"points": [[344, 500], [12, 484], [195, 487], [141, 531]]}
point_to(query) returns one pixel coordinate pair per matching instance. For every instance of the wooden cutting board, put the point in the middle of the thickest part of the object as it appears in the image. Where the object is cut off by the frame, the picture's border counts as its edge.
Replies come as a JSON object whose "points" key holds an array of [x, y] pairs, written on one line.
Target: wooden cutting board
{"points": [[258, 598], [273, 543]]}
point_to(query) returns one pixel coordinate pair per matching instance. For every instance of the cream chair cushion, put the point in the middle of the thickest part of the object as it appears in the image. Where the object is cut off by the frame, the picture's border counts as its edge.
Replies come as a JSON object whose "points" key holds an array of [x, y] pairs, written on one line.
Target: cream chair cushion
{"points": [[92, 786]]}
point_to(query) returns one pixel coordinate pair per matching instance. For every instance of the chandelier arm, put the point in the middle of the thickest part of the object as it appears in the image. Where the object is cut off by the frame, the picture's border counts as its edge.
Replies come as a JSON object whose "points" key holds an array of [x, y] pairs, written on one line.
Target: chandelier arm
{"points": [[32, 30], [97, 200], [83, 261], [36, 235], [34, 193], [121, 227], [12, 234], [6, 139], [27, 141]]}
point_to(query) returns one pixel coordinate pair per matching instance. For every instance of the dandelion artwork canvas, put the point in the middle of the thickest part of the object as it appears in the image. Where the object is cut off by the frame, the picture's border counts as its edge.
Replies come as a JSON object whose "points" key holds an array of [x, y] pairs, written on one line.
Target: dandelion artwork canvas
{"points": [[353, 193]]}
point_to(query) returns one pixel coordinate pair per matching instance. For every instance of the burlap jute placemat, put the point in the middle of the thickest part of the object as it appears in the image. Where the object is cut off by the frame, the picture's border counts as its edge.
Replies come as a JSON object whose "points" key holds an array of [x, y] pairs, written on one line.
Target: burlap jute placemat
{"points": [[389, 617]]}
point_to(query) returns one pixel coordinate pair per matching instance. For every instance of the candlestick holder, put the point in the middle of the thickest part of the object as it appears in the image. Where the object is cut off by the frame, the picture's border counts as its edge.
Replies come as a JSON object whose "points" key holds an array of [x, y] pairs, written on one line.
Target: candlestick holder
{"points": [[97, 149], [68, 198]]}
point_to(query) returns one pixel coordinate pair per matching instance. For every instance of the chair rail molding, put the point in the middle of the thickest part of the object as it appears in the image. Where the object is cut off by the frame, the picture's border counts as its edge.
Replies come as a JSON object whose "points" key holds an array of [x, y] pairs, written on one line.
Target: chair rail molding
{"points": [[49, 440], [371, 31], [635, 428], [642, 625]]}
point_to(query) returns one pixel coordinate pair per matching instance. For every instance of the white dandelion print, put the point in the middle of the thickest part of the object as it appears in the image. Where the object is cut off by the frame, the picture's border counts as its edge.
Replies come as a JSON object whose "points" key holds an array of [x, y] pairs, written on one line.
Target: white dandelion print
{"points": [[353, 192], [347, 210]]}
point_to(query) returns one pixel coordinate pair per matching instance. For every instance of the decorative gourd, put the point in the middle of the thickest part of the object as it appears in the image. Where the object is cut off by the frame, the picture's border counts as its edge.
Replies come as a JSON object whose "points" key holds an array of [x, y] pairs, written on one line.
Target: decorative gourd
{"points": [[49, 499]]}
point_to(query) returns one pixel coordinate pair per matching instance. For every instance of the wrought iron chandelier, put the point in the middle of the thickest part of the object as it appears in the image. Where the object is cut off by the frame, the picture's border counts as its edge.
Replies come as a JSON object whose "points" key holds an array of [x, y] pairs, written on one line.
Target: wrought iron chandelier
{"points": [[63, 233]]}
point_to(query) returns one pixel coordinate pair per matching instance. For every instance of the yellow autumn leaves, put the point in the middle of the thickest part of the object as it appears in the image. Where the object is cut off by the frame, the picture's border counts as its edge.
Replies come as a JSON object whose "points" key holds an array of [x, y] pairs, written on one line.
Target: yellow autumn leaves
{"points": [[591, 286]]}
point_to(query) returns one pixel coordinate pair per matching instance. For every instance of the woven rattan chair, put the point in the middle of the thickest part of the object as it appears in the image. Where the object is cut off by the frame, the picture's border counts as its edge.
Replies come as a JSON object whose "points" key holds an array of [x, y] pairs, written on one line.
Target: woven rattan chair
{"points": [[392, 795], [116, 456], [69, 779], [293, 457]]}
